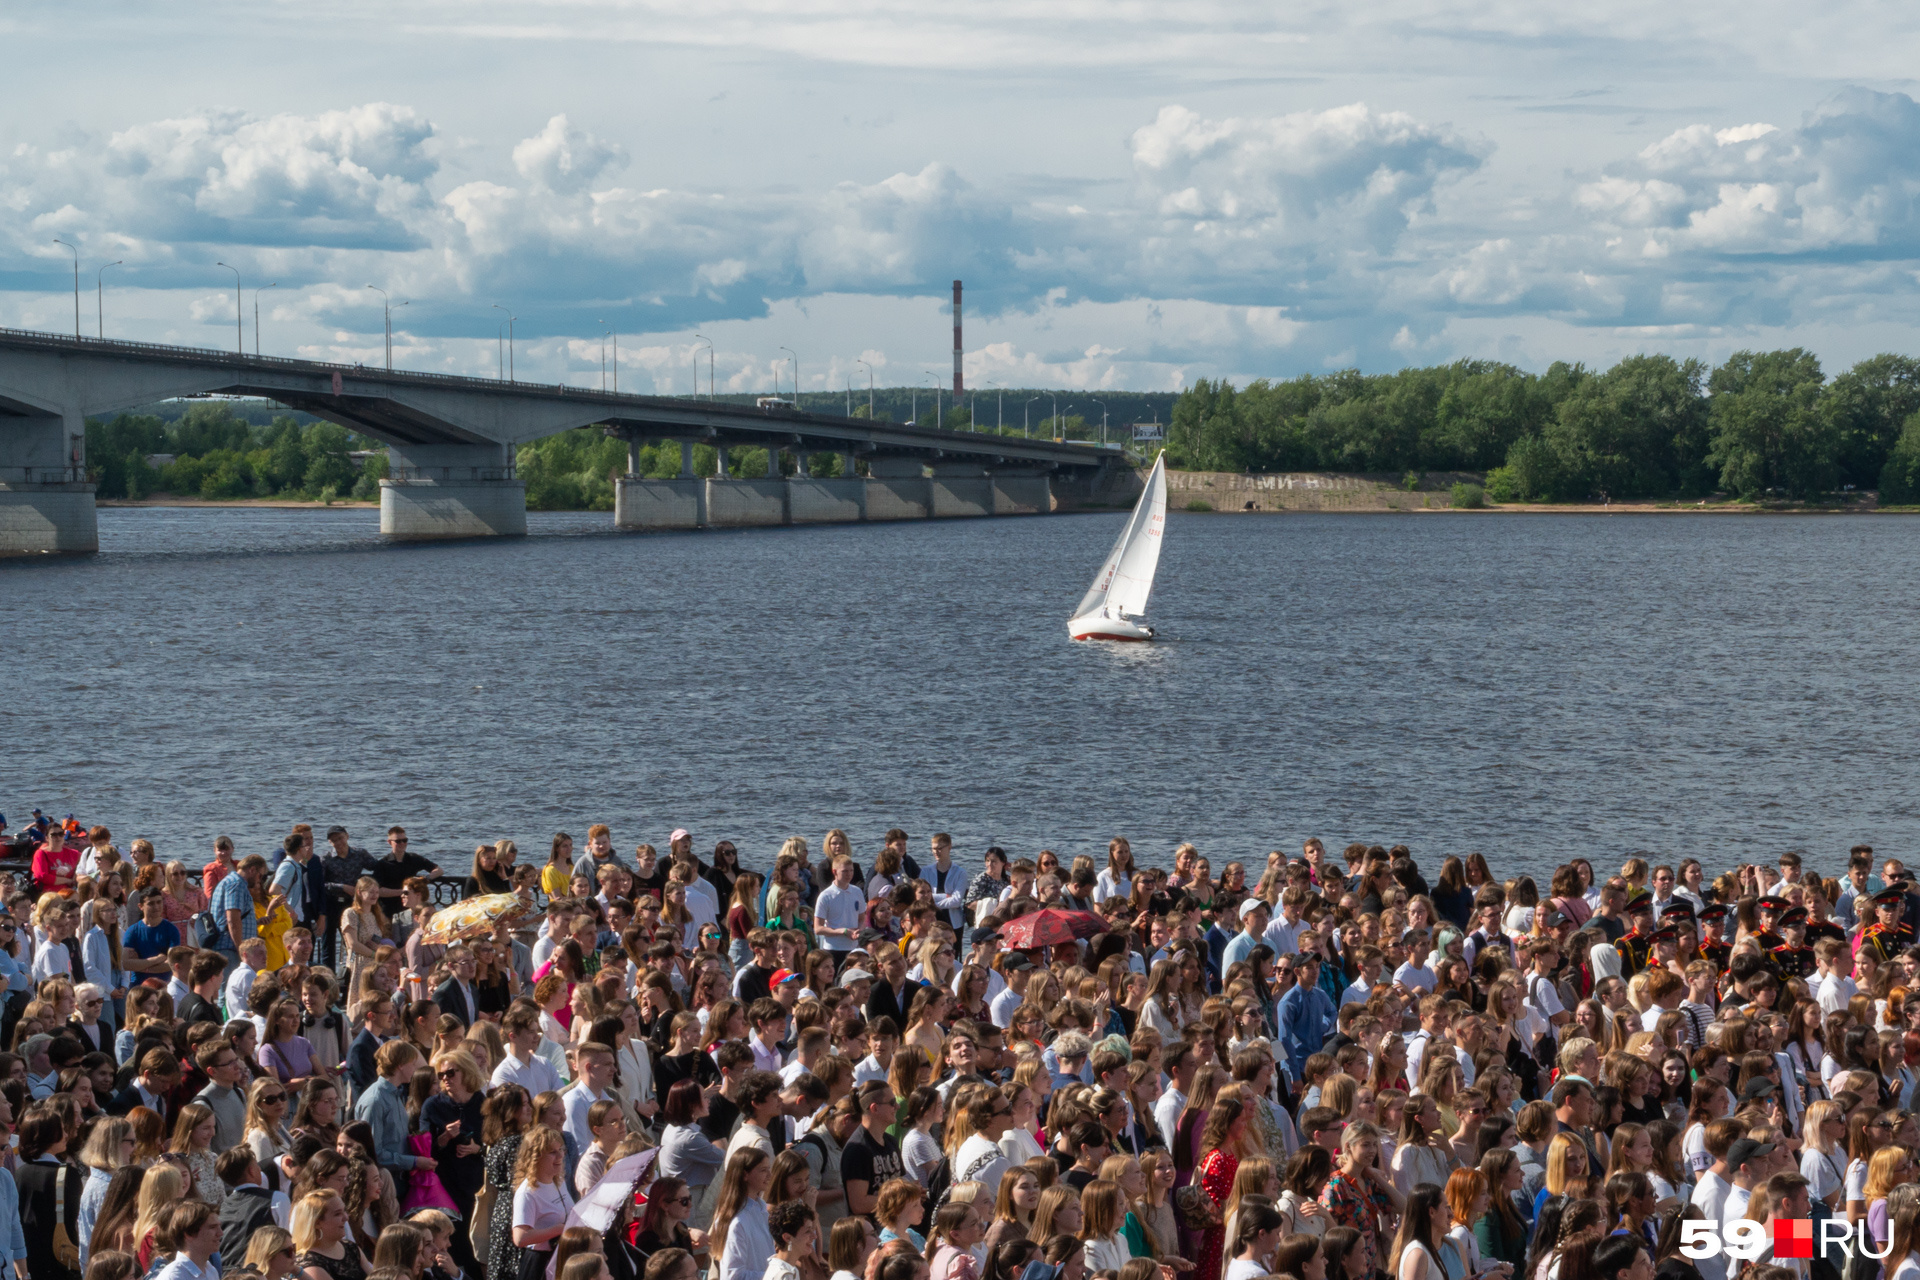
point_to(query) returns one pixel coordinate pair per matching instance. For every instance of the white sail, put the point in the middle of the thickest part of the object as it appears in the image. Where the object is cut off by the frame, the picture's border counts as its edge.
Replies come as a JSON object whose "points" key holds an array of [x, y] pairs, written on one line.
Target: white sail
{"points": [[1133, 575], [1126, 575]]}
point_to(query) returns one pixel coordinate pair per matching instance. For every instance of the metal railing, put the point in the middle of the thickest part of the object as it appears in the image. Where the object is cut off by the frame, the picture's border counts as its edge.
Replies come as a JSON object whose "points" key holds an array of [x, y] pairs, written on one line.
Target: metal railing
{"points": [[492, 386], [42, 475], [448, 474]]}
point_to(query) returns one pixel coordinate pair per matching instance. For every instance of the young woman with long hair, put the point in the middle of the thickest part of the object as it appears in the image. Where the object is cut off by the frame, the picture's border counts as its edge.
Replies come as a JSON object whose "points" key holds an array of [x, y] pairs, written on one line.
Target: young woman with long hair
{"points": [[363, 927], [326, 1249], [1422, 1235], [193, 1131], [1422, 1153], [540, 1200], [506, 1115], [1013, 1207], [740, 1239], [1227, 1139], [1207, 1083], [557, 873], [1500, 1233]]}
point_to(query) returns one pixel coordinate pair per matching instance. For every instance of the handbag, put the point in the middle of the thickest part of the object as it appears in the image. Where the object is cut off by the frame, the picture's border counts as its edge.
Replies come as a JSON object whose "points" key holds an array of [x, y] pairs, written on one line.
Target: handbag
{"points": [[65, 1251], [482, 1224], [206, 931], [1195, 1207], [424, 1188]]}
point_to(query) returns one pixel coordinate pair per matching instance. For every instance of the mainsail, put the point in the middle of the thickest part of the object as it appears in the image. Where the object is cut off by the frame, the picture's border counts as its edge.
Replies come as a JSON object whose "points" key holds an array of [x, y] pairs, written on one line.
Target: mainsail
{"points": [[1126, 575]]}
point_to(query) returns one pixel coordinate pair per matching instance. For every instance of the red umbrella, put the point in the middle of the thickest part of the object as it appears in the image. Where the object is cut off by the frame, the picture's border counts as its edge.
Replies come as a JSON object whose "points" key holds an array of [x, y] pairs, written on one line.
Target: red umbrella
{"points": [[1049, 926]]}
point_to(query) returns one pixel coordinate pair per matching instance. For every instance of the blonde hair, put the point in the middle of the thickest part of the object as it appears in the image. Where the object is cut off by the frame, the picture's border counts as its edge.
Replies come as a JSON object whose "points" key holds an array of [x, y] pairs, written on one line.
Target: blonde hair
{"points": [[162, 1188], [539, 1140], [462, 1061], [307, 1215], [264, 1243]]}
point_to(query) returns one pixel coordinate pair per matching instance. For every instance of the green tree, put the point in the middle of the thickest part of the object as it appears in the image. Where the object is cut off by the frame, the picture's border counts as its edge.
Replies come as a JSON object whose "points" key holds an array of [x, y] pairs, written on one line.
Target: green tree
{"points": [[1867, 408], [207, 427], [324, 446], [1899, 479], [1768, 431], [1636, 430]]}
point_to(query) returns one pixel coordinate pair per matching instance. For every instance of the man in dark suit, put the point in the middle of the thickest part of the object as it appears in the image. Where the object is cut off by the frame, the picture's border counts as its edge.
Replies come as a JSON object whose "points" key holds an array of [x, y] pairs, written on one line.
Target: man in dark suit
{"points": [[361, 1069], [456, 994], [247, 1205], [159, 1074], [892, 994]]}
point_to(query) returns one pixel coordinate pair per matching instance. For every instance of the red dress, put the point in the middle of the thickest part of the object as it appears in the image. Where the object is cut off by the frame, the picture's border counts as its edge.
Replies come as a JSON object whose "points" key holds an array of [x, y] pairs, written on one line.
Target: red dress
{"points": [[1216, 1179]]}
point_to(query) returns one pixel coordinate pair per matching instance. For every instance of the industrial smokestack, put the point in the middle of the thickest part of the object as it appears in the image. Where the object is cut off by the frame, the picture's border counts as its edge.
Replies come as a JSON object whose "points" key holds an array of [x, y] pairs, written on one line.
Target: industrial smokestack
{"points": [[959, 389]]}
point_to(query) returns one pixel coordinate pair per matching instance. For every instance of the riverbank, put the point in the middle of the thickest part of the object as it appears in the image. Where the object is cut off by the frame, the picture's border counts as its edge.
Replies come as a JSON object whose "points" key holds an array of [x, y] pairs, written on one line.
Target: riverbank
{"points": [[1432, 491]]}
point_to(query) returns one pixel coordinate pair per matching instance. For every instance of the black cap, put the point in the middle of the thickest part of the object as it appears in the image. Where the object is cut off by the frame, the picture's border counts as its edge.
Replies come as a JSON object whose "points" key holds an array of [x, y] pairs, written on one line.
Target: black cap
{"points": [[1715, 913], [1746, 1150], [1677, 909], [1015, 960], [1771, 903], [979, 936], [1666, 933], [335, 831], [1821, 929], [1892, 893], [1758, 1087], [1551, 919], [1641, 901], [1797, 915]]}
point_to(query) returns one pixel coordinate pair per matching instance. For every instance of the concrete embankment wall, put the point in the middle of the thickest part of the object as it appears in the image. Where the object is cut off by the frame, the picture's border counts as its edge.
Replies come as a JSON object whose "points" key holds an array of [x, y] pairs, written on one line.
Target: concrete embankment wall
{"points": [[1310, 491], [695, 504]]}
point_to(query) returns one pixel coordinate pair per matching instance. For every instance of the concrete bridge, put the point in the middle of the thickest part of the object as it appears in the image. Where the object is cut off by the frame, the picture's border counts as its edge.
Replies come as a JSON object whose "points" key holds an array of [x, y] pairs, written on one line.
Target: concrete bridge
{"points": [[451, 445]]}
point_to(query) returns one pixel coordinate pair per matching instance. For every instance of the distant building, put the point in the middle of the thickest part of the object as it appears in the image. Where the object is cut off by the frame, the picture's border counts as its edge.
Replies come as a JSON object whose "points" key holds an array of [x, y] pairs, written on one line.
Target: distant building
{"points": [[159, 460], [1148, 431]]}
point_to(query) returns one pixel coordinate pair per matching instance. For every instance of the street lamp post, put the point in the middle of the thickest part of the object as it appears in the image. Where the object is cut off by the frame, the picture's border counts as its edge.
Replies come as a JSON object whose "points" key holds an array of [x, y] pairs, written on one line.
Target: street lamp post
{"points": [[1026, 428], [709, 369], [500, 349], [99, 297], [616, 356], [796, 378], [869, 388], [510, 319], [239, 331], [256, 323], [1056, 418], [386, 311], [1103, 418], [936, 396], [76, 284]]}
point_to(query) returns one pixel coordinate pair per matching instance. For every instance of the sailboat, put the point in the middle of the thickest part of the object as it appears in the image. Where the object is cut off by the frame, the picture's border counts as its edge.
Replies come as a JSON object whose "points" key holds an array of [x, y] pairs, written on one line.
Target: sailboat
{"points": [[1121, 587]]}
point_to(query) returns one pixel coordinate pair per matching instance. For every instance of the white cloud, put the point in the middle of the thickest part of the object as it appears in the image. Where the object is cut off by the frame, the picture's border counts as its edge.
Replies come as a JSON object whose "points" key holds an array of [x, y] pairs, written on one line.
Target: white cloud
{"points": [[562, 158]]}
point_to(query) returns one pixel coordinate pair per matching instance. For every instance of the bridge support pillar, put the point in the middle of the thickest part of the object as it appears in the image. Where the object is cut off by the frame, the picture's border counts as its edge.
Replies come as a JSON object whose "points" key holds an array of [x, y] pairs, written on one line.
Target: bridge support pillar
{"points": [[47, 519], [452, 491], [46, 505], [826, 501], [736, 504], [897, 489], [1022, 493], [659, 504], [686, 460], [960, 489]]}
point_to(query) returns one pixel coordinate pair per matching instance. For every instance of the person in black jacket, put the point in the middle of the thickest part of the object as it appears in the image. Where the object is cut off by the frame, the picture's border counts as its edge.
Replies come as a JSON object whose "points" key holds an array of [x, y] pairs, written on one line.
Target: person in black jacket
{"points": [[379, 1029], [892, 993], [159, 1075], [42, 1178], [247, 1206], [457, 995], [203, 980]]}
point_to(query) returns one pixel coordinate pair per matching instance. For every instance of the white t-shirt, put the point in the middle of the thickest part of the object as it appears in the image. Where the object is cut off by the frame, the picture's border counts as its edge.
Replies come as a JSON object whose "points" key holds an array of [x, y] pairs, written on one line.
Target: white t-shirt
{"points": [[1693, 1145], [1825, 1174], [539, 1207], [1710, 1197], [1856, 1180], [1738, 1198], [1244, 1269], [1415, 977], [1909, 1268], [1835, 990]]}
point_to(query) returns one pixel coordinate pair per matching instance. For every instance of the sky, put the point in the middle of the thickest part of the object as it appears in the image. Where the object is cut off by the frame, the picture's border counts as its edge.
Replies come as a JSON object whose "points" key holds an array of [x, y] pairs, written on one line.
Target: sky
{"points": [[1136, 193]]}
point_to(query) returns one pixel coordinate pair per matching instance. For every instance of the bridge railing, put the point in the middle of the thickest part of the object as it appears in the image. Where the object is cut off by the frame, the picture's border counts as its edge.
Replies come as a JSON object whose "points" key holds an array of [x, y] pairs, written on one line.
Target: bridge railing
{"points": [[42, 475], [452, 473]]}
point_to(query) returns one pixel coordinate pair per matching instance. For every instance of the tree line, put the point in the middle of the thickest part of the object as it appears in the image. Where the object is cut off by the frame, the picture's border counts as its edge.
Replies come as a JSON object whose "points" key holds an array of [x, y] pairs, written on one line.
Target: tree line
{"points": [[1764, 422], [219, 455]]}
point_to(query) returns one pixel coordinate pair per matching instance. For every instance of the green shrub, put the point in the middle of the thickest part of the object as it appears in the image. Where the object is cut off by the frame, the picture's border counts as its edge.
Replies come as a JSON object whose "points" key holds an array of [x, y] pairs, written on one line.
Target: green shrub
{"points": [[1410, 481], [1502, 486], [1199, 504], [1469, 497]]}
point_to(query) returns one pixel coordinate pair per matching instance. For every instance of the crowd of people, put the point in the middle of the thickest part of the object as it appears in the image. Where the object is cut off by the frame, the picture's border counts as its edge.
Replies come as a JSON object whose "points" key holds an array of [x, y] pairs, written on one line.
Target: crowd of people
{"points": [[1312, 1067]]}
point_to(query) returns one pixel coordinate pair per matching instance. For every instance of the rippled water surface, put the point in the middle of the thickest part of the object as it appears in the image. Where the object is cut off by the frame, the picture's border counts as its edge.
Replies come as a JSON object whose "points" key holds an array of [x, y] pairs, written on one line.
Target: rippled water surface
{"points": [[1530, 686]]}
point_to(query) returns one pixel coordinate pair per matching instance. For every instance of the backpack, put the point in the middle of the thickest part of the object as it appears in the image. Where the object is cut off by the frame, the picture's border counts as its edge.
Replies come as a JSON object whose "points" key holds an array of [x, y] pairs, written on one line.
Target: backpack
{"points": [[939, 1183]]}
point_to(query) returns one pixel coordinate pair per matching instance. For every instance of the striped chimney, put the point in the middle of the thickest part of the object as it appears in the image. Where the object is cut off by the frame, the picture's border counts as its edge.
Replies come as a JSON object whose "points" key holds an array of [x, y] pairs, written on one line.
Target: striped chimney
{"points": [[959, 389]]}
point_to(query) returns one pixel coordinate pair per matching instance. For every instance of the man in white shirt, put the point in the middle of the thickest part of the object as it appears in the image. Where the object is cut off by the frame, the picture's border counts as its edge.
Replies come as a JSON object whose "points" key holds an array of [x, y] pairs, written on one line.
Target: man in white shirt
{"points": [[1835, 988], [1543, 1002], [837, 911], [594, 1062], [680, 849], [253, 955], [1747, 1165], [1019, 972], [523, 1064], [1368, 960], [1181, 1062], [1283, 934], [1710, 1195], [769, 1021], [1414, 974], [559, 926]]}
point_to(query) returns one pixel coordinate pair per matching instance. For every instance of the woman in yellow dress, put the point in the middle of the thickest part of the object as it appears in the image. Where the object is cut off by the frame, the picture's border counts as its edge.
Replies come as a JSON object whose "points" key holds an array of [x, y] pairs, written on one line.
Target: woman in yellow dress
{"points": [[272, 919]]}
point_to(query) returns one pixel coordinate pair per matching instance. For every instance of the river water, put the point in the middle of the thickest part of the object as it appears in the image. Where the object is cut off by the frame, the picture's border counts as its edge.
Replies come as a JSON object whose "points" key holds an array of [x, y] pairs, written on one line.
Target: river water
{"points": [[1529, 686]]}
